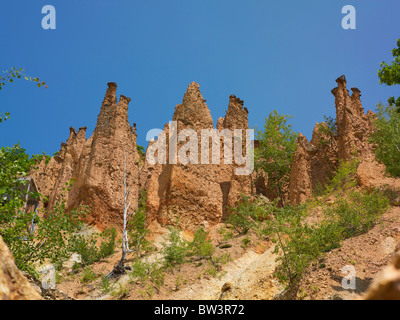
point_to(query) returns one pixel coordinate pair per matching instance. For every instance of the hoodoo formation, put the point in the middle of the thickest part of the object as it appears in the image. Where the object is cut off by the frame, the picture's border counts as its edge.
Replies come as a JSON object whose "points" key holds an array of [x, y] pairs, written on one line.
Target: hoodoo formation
{"points": [[314, 162], [189, 194], [194, 193], [198, 194], [94, 165]]}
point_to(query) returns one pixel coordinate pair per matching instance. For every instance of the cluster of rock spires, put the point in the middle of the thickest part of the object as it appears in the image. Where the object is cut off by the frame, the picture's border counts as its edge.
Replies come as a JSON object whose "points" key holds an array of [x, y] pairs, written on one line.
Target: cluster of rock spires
{"points": [[192, 194], [315, 161], [95, 165], [195, 194]]}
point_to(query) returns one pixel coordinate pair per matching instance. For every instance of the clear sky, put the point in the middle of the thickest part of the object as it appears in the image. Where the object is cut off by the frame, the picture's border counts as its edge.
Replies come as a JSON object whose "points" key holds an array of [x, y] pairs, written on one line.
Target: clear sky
{"points": [[282, 55]]}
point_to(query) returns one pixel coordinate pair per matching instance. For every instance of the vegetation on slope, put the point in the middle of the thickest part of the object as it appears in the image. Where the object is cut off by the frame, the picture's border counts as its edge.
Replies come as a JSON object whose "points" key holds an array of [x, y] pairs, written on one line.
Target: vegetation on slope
{"points": [[301, 243]]}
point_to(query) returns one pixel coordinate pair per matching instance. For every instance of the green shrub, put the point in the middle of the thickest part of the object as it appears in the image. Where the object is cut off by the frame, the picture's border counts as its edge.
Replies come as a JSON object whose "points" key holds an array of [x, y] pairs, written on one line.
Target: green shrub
{"points": [[86, 246], [294, 239], [277, 144], [344, 178], [390, 74], [144, 271], [246, 215], [302, 244], [327, 132], [359, 213], [49, 242], [201, 245], [105, 285], [157, 277], [121, 292], [175, 249], [137, 227], [386, 138], [141, 150], [222, 259], [107, 246], [88, 275], [245, 242]]}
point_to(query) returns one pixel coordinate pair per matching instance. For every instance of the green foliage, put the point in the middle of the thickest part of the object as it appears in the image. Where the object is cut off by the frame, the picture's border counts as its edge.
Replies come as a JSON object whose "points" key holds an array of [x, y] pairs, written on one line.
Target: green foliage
{"points": [[358, 213], [4, 116], [329, 130], [49, 242], [227, 233], [121, 292], [386, 138], [245, 242], [141, 269], [17, 161], [221, 259], [137, 227], [175, 249], [54, 231], [246, 215], [157, 277], [76, 267], [344, 178], [141, 150], [216, 262], [55, 236], [17, 73], [301, 244], [38, 157], [105, 284], [88, 275], [390, 74], [201, 245], [146, 271], [86, 246], [332, 125], [107, 246], [277, 145], [297, 249]]}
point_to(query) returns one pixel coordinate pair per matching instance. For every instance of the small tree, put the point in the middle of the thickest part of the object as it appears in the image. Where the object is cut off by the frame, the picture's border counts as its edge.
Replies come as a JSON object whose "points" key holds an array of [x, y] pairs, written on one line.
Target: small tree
{"points": [[137, 227], [277, 145], [327, 130], [127, 215], [390, 74], [30, 246], [386, 137]]}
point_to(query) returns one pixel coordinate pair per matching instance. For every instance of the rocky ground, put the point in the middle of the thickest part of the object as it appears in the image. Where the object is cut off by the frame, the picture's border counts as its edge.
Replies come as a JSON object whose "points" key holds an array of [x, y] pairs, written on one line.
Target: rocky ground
{"points": [[198, 280], [249, 273], [368, 253]]}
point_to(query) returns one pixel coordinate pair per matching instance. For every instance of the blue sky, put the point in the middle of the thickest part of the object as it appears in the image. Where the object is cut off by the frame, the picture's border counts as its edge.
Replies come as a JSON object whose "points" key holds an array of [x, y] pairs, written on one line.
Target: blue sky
{"points": [[282, 55]]}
